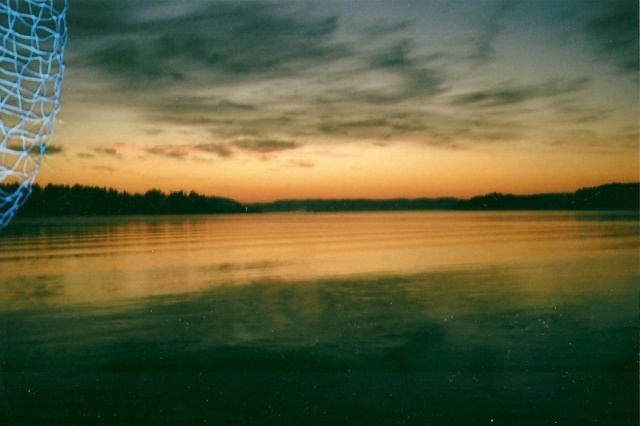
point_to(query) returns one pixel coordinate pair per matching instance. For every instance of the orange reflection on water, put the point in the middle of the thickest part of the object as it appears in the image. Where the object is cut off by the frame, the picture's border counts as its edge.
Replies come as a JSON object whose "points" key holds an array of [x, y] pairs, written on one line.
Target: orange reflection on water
{"points": [[92, 260]]}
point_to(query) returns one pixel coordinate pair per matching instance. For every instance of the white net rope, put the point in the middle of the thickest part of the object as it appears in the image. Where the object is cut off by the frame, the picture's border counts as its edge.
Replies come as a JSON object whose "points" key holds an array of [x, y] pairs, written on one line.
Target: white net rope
{"points": [[33, 34]]}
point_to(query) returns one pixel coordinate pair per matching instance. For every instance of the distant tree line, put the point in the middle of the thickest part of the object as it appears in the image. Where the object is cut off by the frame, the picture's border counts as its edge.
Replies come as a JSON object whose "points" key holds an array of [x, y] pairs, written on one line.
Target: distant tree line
{"points": [[613, 196], [79, 200], [354, 205]]}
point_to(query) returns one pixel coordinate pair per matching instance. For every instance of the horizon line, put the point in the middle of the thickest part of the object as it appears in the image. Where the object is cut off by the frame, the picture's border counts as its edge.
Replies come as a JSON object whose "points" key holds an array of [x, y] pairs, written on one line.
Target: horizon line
{"points": [[425, 197]]}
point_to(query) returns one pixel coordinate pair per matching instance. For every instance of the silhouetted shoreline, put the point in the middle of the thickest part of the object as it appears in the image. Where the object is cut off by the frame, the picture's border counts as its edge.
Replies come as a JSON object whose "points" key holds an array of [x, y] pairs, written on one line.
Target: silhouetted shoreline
{"points": [[78, 200]]}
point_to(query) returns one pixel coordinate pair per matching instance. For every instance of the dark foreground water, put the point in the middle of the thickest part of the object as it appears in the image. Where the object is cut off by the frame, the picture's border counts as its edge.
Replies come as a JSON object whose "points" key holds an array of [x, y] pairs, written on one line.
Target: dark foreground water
{"points": [[403, 318]]}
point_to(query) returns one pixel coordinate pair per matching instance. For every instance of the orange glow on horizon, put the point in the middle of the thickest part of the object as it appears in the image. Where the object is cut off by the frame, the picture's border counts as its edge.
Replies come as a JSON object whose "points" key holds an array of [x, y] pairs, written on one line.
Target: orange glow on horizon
{"points": [[352, 171]]}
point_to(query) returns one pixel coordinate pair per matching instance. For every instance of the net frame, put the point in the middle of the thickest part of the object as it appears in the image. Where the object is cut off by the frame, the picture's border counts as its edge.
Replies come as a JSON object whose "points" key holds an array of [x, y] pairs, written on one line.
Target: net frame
{"points": [[33, 35]]}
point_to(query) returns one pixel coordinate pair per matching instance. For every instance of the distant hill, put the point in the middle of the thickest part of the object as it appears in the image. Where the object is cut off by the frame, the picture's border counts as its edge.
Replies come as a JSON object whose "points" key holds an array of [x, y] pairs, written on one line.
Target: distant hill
{"points": [[78, 200], [350, 205], [613, 196]]}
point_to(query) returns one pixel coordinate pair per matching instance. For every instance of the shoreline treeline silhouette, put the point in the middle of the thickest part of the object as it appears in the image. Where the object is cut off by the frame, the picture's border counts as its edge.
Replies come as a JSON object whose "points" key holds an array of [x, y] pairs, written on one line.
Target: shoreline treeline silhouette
{"points": [[79, 200]]}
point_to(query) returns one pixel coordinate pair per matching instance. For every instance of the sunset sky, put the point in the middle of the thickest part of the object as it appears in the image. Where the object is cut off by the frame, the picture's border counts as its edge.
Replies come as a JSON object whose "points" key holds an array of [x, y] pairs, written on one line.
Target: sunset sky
{"points": [[263, 100]]}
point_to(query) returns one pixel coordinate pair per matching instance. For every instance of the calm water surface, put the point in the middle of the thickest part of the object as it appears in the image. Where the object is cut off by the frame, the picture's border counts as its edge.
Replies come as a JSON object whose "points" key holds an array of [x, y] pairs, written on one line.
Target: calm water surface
{"points": [[355, 318]]}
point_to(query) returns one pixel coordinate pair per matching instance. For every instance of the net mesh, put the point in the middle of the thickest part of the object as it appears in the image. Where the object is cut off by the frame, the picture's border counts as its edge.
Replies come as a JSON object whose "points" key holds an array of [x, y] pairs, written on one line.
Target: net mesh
{"points": [[33, 36]]}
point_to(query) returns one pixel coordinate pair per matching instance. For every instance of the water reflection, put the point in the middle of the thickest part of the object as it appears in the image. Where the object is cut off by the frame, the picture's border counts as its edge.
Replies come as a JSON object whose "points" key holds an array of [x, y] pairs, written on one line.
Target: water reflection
{"points": [[110, 258], [472, 340], [301, 319]]}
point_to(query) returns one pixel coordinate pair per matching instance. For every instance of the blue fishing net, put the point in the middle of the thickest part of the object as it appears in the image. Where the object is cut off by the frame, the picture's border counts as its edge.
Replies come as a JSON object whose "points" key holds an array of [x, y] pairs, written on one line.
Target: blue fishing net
{"points": [[33, 34]]}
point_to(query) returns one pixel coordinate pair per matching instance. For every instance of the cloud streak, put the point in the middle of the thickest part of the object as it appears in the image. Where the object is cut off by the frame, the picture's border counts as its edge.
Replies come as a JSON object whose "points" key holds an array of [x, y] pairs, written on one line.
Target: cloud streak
{"points": [[107, 150], [170, 151], [228, 40], [219, 149], [264, 146], [483, 45], [506, 96], [614, 31]]}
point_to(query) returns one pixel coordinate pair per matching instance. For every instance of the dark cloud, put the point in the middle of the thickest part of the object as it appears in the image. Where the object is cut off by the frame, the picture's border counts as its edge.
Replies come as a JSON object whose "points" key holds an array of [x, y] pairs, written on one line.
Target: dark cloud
{"points": [[166, 54], [223, 150], [232, 73], [265, 145], [396, 56], [347, 126], [408, 124], [107, 150], [400, 60], [100, 18], [198, 104], [54, 149], [219, 149], [437, 141], [483, 45], [133, 62], [169, 151], [302, 163], [506, 96], [412, 124], [227, 105], [198, 41], [614, 32], [418, 76], [498, 97], [34, 150]]}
